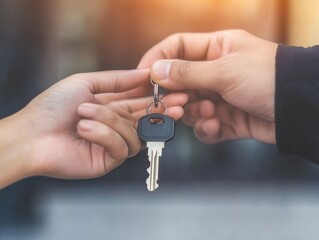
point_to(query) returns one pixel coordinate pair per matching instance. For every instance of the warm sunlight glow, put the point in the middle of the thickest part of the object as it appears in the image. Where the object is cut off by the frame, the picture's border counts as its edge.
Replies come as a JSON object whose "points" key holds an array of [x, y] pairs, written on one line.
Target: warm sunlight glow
{"points": [[303, 27]]}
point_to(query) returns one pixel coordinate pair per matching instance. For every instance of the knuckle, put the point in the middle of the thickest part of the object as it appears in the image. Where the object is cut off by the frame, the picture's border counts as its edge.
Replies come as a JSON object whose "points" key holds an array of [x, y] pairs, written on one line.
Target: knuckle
{"points": [[106, 115], [183, 70], [174, 37], [169, 44], [106, 134], [224, 73], [240, 32], [77, 76], [233, 37], [123, 154], [234, 33], [135, 148]]}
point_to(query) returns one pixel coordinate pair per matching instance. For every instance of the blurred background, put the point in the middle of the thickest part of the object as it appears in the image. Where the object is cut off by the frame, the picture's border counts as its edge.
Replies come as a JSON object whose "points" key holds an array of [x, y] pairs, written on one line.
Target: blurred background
{"points": [[240, 189]]}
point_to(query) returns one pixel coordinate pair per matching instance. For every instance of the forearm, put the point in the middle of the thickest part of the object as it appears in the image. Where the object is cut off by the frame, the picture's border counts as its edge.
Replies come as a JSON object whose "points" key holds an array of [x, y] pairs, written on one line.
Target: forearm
{"points": [[14, 149]]}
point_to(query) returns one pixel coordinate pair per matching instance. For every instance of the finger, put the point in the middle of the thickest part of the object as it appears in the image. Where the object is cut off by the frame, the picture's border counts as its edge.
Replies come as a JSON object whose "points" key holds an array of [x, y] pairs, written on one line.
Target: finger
{"points": [[208, 131], [132, 105], [175, 112], [176, 99], [124, 126], [98, 133], [192, 114], [140, 104], [170, 100], [201, 109], [114, 81], [188, 46], [138, 92], [106, 98], [181, 75], [173, 102]]}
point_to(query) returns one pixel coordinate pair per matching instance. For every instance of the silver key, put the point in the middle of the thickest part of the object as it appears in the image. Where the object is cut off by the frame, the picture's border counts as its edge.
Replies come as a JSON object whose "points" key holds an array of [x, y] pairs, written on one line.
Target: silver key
{"points": [[155, 129], [154, 154]]}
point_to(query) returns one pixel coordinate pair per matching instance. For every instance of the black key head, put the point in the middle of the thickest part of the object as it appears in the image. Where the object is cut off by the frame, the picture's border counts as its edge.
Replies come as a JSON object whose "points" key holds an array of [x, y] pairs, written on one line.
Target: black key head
{"points": [[156, 127]]}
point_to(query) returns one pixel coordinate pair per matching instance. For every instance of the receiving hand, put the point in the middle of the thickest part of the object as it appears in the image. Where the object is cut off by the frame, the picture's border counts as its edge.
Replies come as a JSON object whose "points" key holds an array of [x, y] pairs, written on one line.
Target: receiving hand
{"points": [[81, 127]]}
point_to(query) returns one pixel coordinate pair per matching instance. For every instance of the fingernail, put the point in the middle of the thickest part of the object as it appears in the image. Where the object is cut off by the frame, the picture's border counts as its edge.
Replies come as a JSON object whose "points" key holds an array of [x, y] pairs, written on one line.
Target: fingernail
{"points": [[160, 69], [87, 110]]}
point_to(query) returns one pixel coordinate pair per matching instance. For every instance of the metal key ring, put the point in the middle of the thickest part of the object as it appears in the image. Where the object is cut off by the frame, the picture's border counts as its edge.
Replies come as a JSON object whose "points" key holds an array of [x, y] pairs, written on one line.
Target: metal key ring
{"points": [[153, 102], [153, 83], [156, 93]]}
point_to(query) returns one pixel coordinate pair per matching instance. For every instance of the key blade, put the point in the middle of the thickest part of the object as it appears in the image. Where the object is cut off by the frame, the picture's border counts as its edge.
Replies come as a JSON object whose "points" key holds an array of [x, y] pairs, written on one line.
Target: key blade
{"points": [[155, 130], [151, 181], [154, 153], [155, 146]]}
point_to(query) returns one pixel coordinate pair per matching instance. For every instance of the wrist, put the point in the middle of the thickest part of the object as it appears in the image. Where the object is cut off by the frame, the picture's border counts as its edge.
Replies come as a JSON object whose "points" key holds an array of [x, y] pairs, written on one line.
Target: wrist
{"points": [[15, 147]]}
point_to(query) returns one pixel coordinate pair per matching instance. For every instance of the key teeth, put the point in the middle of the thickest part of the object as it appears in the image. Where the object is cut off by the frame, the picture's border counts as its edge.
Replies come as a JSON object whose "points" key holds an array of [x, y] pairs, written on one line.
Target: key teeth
{"points": [[148, 181], [151, 190], [148, 184], [154, 154]]}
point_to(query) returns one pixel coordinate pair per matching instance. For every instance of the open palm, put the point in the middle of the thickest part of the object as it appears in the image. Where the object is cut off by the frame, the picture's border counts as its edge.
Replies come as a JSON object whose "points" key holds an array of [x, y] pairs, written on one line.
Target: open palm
{"points": [[84, 126]]}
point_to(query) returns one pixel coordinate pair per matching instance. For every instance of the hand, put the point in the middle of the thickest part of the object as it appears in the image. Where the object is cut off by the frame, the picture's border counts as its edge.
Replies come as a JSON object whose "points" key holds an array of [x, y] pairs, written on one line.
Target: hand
{"points": [[66, 132], [231, 75]]}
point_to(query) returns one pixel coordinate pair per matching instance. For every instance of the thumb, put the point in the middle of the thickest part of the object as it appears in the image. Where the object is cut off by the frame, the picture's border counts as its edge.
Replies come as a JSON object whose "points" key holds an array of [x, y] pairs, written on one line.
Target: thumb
{"points": [[180, 75]]}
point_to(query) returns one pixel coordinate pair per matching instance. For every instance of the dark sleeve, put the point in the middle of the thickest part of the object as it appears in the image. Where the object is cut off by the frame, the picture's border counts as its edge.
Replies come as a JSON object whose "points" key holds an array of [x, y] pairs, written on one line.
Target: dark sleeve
{"points": [[297, 101]]}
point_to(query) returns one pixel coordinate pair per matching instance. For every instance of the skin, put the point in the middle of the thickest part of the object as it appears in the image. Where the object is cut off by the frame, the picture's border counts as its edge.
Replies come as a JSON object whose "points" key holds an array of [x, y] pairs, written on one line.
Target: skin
{"points": [[230, 76], [85, 125], [82, 127]]}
